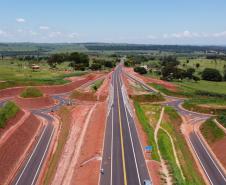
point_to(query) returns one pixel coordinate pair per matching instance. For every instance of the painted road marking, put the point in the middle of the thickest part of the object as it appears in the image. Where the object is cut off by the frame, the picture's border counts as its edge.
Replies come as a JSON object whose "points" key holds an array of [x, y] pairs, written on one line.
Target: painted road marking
{"points": [[121, 138]]}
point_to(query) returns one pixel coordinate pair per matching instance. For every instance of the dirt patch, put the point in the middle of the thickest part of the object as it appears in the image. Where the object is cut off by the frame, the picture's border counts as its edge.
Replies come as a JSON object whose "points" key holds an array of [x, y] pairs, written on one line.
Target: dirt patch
{"points": [[168, 85], [11, 92], [154, 168], [10, 156], [217, 149], [65, 167], [34, 103], [13, 121], [89, 160]]}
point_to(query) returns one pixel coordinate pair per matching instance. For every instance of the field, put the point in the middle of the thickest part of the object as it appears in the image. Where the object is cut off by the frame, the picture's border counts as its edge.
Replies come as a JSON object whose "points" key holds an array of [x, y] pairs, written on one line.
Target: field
{"points": [[204, 63], [31, 92], [18, 73]]}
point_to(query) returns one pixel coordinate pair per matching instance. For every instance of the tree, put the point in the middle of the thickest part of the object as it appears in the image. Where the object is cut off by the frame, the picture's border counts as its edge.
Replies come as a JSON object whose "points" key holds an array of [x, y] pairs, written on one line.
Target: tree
{"points": [[170, 61], [140, 70], [55, 59], [95, 66], [210, 74], [189, 73], [79, 60], [197, 65], [196, 78]]}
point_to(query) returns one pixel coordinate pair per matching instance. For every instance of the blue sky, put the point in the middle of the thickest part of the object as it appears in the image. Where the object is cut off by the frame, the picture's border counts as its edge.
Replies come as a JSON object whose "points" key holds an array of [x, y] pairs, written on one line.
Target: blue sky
{"points": [[199, 22]]}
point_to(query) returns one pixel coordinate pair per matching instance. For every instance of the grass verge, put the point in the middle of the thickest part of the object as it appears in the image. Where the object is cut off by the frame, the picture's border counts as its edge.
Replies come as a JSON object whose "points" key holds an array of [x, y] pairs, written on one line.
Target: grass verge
{"points": [[96, 85], [211, 132], [31, 92], [166, 150], [172, 122], [8, 111], [222, 119], [86, 96], [148, 129], [64, 114], [154, 97]]}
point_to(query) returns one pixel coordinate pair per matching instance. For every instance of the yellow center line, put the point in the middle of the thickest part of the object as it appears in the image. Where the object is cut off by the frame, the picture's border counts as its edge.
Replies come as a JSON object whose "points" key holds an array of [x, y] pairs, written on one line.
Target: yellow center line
{"points": [[121, 138]]}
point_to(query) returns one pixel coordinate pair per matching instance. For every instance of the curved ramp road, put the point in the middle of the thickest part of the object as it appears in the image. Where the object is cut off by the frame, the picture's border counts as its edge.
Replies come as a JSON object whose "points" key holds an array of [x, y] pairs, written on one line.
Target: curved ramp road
{"points": [[30, 170], [123, 160], [212, 170]]}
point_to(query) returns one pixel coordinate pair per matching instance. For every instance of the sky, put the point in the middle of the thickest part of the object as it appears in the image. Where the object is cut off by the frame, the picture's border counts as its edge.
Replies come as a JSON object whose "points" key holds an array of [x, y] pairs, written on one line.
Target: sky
{"points": [[183, 22]]}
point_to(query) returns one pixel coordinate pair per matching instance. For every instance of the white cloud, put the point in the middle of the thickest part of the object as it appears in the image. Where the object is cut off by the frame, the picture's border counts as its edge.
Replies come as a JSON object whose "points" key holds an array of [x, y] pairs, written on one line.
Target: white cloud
{"points": [[152, 37], [3, 33], [55, 34], [20, 20], [220, 34], [73, 35], [44, 27]]}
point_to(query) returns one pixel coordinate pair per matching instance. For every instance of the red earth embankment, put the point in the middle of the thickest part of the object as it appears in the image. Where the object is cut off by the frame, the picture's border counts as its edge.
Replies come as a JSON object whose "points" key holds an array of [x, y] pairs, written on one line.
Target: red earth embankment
{"points": [[54, 89], [89, 160], [146, 79], [34, 103], [14, 149]]}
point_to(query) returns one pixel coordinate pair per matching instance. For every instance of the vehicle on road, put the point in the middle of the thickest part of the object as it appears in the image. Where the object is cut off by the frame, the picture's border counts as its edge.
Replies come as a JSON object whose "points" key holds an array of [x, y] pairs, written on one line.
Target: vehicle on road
{"points": [[147, 182]]}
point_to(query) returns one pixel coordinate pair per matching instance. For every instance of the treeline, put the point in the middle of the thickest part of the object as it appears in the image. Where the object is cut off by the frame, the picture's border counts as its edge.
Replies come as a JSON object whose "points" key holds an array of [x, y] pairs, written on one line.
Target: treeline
{"points": [[166, 48], [79, 61]]}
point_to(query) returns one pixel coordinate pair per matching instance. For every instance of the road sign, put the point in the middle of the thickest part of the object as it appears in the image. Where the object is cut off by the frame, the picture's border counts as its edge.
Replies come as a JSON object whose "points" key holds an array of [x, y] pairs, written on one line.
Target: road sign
{"points": [[148, 148]]}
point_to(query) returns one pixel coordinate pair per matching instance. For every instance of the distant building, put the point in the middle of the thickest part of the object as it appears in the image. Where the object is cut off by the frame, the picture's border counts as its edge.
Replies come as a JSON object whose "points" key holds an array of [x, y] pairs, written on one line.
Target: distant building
{"points": [[35, 67]]}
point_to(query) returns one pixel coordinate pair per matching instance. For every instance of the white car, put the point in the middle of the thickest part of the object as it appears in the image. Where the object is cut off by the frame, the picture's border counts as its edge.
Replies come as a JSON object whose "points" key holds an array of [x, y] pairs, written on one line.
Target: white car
{"points": [[147, 182]]}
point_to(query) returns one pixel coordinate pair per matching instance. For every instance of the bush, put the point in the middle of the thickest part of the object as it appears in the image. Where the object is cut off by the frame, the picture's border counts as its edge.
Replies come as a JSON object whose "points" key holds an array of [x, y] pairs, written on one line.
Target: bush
{"points": [[156, 97], [31, 92], [140, 70], [222, 119], [8, 111], [196, 78], [210, 74], [95, 67]]}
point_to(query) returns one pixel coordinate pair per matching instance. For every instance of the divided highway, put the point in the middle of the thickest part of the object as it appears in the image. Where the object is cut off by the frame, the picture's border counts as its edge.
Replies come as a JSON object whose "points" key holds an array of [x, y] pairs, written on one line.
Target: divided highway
{"points": [[213, 171], [123, 160]]}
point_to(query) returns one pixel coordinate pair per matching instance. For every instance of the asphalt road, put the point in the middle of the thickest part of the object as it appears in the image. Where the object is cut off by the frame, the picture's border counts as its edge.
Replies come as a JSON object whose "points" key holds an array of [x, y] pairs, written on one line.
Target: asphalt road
{"points": [[210, 167], [123, 160], [29, 172]]}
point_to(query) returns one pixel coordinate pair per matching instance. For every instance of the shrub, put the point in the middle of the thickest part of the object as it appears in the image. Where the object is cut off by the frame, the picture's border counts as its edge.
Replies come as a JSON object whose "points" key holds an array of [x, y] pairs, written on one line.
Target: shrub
{"points": [[155, 97], [210, 74], [8, 111], [140, 70], [31, 92], [95, 67], [222, 119]]}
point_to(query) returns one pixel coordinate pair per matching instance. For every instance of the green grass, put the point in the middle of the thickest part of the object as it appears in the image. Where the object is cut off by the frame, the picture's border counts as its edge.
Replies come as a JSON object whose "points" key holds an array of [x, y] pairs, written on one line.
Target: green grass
{"points": [[18, 73], [153, 97], [166, 150], [152, 112], [172, 125], [211, 132], [222, 119], [148, 129], [8, 111], [31, 92], [64, 114], [96, 85]]}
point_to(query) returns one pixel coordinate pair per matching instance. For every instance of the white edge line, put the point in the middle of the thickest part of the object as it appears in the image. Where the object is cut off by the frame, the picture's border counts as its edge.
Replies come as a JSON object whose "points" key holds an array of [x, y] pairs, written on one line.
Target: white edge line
{"points": [[30, 156], [112, 145], [131, 139], [211, 158], [200, 161], [42, 157]]}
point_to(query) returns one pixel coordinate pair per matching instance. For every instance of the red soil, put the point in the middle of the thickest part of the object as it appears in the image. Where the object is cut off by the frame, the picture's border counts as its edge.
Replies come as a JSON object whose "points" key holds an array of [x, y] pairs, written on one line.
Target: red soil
{"points": [[10, 157], [166, 84], [218, 149], [11, 122], [91, 149], [34, 103], [54, 89]]}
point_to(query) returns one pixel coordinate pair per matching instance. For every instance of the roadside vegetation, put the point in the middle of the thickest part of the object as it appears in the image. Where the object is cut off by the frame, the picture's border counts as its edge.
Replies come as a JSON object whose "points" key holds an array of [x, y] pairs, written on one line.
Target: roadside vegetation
{"points": [[9, 110], [172, 123], [153, 97], [86, 96], [31, 92], [97, 84], [222, 119], [211, 132], [148, 129], [65, 122]]}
